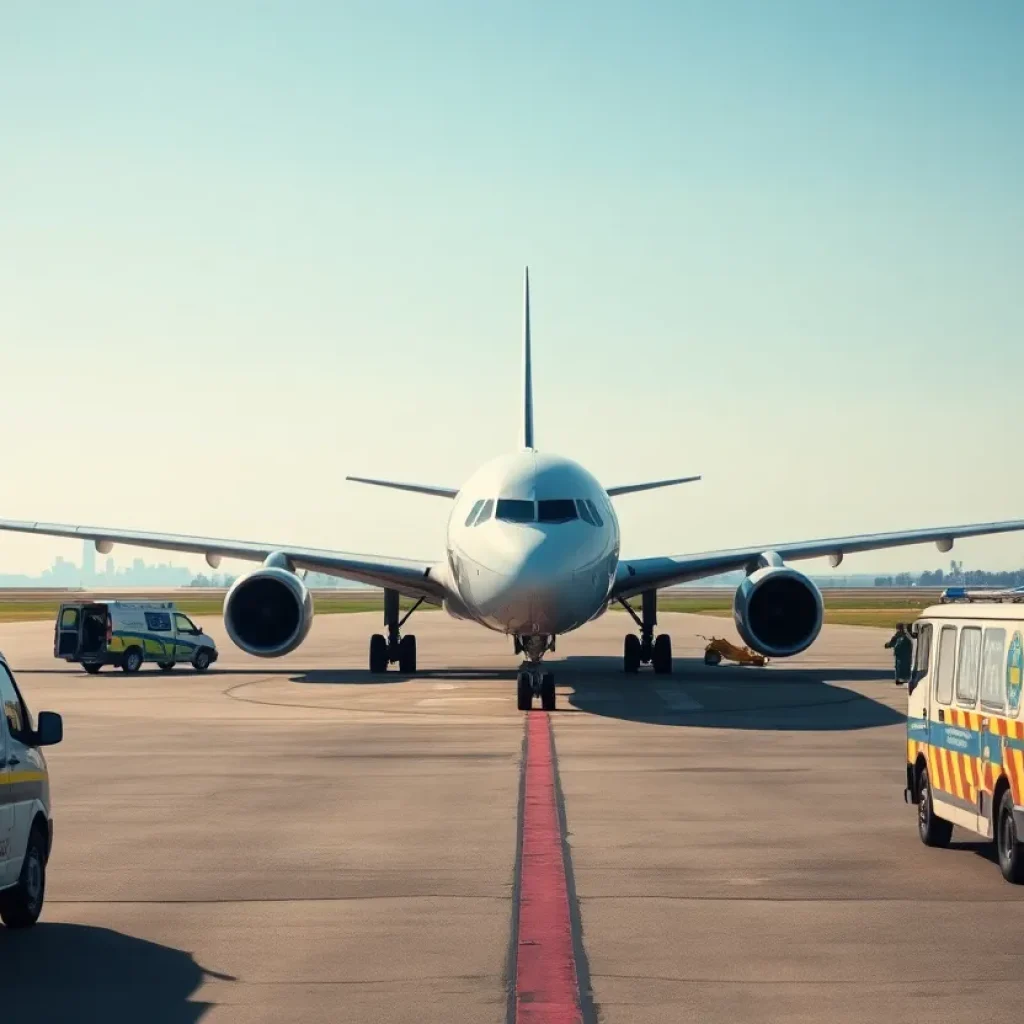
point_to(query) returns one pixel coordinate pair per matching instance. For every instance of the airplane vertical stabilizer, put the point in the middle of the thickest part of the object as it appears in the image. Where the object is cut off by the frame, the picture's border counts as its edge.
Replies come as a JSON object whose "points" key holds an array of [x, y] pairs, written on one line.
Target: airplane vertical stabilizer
{"points": [[527, 367]]}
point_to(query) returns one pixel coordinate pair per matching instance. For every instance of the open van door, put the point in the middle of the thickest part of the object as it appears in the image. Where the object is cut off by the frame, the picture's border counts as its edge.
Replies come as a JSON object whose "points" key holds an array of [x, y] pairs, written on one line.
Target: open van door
{"points": [[68, 631]]}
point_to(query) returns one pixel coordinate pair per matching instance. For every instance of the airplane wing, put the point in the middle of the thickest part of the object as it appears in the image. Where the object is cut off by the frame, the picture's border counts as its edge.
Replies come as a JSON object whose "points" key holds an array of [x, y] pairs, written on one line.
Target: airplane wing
{"points": [[648, 485], [639, 574], [415, 579]]}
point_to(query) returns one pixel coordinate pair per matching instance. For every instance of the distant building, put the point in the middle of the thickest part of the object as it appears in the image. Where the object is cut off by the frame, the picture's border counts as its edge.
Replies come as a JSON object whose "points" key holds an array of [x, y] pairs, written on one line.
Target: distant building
{"points": [[88, 562]]}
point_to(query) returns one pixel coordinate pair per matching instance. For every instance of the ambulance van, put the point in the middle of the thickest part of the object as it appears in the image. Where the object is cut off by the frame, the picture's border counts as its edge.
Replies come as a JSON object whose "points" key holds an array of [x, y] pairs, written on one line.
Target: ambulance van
{"points": [[26, 824], [965, 730], [128, 633]]}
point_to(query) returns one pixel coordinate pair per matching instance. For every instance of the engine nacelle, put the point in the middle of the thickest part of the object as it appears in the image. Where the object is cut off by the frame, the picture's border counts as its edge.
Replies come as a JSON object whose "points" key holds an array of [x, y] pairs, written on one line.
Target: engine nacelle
{"points": [[778, 611], [268, 613]]}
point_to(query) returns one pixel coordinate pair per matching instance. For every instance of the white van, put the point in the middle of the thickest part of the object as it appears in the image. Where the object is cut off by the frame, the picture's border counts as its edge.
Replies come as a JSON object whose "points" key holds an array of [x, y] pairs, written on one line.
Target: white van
{"points": [[26, 825], [965, 726], [128, 633]]}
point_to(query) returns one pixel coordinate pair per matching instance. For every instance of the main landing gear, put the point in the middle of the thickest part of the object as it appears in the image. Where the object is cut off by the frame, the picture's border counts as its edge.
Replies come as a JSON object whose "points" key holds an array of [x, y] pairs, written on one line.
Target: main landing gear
{"points": [[386, 650], [646, 649], [531, 680]]}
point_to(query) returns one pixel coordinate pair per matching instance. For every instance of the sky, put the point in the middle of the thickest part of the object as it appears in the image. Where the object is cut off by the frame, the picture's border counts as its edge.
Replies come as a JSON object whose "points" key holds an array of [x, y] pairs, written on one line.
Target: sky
{"points": [[250, 248]]}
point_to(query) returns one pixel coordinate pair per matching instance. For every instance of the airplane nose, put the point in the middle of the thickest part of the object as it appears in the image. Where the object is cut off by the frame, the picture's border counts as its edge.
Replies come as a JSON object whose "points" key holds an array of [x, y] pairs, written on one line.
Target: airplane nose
{"points": [[526, 583]]}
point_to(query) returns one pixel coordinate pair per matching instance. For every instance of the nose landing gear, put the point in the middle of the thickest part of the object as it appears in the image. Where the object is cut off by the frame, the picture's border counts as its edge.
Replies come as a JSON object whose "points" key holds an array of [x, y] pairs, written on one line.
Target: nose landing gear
{"points": [[646, 649], [386, 650], [531, 680]]}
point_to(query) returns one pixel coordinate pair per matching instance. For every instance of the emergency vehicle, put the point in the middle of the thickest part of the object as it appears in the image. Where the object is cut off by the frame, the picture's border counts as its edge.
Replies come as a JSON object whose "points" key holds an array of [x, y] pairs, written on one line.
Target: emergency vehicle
{"points": [[128, 633], [965, 732], [26, 825]]}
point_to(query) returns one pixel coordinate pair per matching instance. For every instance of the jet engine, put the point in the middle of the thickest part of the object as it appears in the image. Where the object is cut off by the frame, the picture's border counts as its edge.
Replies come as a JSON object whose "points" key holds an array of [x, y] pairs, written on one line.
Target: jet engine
{"points": [[268, 613], [778, 611]]}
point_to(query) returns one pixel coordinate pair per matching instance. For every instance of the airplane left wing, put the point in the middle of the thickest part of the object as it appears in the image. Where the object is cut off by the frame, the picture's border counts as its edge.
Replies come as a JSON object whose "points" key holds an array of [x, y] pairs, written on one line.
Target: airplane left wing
{"points": [[639, 574], [412, 578]]}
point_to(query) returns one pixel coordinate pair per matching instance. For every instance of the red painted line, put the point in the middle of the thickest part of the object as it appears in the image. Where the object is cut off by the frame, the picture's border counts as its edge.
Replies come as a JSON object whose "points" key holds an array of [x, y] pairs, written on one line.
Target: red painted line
{"points": [[546, 982]]}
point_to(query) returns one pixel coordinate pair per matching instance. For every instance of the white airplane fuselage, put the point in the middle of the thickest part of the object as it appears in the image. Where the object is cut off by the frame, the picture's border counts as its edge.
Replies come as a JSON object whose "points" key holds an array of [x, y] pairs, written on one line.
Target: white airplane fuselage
{"points": [[540, 559]]}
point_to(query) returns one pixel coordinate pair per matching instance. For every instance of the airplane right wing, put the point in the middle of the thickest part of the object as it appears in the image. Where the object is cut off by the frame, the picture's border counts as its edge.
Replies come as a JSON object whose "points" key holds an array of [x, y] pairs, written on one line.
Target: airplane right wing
{"points": [[638, 574], [409, 577]]}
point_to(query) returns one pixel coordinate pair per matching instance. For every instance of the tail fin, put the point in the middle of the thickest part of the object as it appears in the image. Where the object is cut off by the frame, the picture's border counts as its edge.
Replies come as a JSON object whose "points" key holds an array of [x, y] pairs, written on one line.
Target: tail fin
{"points": [[527, 367]]}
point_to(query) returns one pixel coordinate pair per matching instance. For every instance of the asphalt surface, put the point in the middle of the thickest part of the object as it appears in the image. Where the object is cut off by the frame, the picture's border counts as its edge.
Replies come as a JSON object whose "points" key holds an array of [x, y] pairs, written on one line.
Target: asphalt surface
{"points": [[297, 840]]}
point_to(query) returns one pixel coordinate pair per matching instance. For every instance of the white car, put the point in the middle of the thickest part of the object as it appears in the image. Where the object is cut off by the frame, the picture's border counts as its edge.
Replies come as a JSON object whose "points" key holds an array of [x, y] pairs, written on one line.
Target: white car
{"points": [[26, 824]]}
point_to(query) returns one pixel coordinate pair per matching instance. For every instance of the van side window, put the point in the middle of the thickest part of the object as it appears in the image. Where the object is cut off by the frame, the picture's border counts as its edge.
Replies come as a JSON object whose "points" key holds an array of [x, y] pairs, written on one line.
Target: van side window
{"points": [[993, 668], [184, 624], [968, 664], [922, 655], [69, 618], [159, 622], [14, 710], [944, 671]]}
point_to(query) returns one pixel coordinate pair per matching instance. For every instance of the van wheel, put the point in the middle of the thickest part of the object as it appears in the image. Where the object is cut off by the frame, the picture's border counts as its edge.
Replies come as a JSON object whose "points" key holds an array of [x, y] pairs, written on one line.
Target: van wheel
{"points": [[92, 669], [165, 666], [21, 906], [1011, 851], [132, 660], [201, 662], [933, 830]]}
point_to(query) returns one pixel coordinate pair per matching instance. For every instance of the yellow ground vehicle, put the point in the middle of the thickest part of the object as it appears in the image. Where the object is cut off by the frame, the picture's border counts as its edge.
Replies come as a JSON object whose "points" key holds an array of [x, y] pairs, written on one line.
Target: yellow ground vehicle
{"points": [[965, 731], [719, 648]]}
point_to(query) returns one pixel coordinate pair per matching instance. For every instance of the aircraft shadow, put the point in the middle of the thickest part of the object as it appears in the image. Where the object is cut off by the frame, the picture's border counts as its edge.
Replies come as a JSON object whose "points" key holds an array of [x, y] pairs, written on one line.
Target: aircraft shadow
{"points": [[72, 972], [362, 677], [726, 697]]}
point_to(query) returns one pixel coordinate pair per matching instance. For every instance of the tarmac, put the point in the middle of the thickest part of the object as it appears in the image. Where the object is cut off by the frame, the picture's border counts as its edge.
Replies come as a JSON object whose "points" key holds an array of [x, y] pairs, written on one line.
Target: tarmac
{"points": [[297, 840]]}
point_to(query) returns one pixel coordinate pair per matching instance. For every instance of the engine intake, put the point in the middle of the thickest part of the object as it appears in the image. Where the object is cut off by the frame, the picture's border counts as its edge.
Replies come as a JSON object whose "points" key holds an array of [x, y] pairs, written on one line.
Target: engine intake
{"points": [[268, 613], [778, 611]]}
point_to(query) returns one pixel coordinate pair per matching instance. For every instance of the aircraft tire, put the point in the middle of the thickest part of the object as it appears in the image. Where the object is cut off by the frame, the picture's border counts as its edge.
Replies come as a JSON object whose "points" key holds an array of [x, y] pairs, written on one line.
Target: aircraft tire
{"points": [[547, 691], [631, 653], [661, 656], [524, 692], [378, 653], [407, 654]]}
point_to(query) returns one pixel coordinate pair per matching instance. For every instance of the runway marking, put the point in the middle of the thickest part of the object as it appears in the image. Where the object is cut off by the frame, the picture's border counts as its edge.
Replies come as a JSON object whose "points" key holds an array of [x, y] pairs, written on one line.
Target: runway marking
{"points": [[677, 700], [546, 979]]}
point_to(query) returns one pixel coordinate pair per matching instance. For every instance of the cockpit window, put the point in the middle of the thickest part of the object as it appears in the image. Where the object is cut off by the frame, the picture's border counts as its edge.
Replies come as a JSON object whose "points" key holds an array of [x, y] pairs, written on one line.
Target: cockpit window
{"points": [[477, 505], [513, 510], [556, 510], [597, 515], [485, 512], [585, 512]]}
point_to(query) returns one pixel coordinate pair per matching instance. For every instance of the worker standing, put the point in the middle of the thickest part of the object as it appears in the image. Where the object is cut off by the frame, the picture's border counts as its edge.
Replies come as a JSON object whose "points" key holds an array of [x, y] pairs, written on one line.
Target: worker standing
{"points": [[903, 652]]}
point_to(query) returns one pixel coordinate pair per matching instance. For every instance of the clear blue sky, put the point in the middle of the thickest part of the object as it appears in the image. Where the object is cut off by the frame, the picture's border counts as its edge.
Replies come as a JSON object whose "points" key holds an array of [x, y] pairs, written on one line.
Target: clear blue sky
{"points": [[247, 249]]}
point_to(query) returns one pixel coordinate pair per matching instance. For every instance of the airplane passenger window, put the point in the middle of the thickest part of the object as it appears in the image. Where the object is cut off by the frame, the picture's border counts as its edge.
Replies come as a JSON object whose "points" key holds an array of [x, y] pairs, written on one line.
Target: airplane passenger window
{"points": [[513, 510], [585, 512], [477, 505], [556, 510], [598, 521], [485, 512]]}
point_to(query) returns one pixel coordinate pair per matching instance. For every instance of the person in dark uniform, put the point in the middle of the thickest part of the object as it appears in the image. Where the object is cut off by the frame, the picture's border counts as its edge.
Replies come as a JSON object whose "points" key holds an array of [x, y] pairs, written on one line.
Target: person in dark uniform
{"points": [[903, 652]]}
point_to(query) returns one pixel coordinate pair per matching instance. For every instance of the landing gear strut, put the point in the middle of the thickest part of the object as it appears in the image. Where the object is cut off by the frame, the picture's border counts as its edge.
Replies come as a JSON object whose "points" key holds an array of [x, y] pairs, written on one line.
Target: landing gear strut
{"points": [[531, 680], [646, 649], [394, 647]]}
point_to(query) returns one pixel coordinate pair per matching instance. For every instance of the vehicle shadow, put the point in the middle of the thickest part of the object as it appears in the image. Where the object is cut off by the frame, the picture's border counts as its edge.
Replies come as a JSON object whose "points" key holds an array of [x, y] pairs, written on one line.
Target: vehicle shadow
{"points": [[986, 849], [72, 972], [727, 697]]}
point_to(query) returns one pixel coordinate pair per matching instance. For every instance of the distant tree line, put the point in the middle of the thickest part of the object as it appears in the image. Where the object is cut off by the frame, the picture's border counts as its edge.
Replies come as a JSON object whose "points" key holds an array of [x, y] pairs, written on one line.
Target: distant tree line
{"points": [[955, 577]]}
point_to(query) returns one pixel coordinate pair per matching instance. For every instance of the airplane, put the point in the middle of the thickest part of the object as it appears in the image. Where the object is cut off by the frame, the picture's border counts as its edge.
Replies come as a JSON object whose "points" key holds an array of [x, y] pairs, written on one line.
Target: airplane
{"points": [[532, 551]]}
